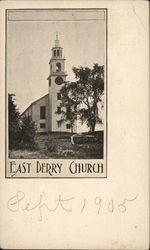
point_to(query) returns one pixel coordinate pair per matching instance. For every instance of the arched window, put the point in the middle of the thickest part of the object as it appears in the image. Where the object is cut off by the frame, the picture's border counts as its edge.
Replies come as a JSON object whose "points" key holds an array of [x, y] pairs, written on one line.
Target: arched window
{"points": [[54, 52], [58, 67], [51, 68], [57, 52]]}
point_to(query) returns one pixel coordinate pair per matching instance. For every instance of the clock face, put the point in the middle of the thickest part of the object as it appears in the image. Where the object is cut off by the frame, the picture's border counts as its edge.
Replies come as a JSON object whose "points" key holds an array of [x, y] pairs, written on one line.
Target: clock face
{"points": [[59, 80]]}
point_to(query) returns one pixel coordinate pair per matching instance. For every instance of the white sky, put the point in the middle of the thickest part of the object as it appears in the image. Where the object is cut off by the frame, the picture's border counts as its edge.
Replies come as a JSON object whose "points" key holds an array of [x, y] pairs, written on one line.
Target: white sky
{"points": [[29, 46]]}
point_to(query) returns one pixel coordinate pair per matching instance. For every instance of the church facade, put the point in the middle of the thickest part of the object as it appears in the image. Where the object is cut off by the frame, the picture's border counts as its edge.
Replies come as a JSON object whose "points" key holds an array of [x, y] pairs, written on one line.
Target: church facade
{"points": [[45, 112]]}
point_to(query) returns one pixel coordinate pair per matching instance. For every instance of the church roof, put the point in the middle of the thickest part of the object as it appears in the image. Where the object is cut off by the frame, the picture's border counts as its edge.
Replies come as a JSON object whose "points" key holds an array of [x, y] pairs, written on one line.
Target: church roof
{"points": [[33, 104]]}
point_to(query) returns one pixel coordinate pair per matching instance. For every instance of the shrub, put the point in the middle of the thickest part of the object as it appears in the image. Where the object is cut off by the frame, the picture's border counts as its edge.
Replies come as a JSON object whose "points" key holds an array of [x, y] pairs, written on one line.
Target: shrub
{"points": [[27, 133], [52, 147]]}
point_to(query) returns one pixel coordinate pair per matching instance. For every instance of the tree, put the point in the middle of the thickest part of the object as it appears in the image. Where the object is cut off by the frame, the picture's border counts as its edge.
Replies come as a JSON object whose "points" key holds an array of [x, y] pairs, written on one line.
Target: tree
{"points": [[84, 95], [27, 133], [68, 104], [21, 129], [13, 122], [90, 90]]}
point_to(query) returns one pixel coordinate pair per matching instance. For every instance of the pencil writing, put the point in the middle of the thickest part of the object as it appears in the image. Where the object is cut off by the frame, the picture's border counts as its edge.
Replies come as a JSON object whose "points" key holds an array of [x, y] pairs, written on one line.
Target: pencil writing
{"points": [[19, 202]]}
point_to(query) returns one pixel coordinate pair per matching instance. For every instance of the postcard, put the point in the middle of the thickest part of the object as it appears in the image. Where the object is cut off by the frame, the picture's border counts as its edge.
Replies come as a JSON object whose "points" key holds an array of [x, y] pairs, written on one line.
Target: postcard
{"points": [[74, 125]]}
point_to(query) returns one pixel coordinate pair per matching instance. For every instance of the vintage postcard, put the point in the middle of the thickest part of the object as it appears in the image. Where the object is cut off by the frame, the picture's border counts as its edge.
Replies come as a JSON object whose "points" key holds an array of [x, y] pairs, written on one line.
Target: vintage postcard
{"points": [[74, 107]]}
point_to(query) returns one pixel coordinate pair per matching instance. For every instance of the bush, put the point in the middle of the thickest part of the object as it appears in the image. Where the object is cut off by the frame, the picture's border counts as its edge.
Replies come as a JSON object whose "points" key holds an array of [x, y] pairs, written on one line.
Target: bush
{"points": [[52, 147], [27, 133]]}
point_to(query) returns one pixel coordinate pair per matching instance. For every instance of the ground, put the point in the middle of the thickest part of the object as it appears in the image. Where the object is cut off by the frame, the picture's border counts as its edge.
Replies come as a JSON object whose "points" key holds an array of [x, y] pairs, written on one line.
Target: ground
{"points": [[58, 145]]}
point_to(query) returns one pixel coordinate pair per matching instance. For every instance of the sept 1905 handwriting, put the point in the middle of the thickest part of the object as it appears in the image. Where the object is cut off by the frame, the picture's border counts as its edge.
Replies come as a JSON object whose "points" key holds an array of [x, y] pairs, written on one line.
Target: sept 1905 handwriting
{"points": [[19, 202]]}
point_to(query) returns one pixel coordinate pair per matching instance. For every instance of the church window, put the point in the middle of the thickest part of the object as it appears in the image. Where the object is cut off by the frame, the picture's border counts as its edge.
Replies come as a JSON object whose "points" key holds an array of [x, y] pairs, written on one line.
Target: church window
{"points": [[42, 125], [54, 52], [42, 112], [68, 126], [58, 96], [51, 68], [59, 110], [57, 52], [58, 67], [59, 124]]}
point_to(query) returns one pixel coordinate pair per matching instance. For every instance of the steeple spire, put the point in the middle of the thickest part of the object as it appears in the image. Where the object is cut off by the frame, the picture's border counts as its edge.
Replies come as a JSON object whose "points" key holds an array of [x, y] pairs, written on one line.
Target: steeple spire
{"points": [[56, 35], [57, 40]]}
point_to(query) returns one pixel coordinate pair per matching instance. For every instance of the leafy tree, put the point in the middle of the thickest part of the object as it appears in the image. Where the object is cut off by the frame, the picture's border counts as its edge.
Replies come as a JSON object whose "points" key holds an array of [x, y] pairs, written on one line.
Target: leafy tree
{"points": [[21, 129], [14, 122], [68, 104], [27, 133], [90, 90], [84, 95]]}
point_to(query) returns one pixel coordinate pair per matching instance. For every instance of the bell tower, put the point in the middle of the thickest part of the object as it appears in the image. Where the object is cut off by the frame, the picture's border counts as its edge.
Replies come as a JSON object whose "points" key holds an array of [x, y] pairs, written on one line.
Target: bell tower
{"points": [[56, 78]]}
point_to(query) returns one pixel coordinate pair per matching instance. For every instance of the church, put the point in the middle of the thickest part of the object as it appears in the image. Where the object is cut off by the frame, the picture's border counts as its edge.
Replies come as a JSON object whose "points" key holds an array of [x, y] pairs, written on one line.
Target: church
{"points": [[43, 111]]}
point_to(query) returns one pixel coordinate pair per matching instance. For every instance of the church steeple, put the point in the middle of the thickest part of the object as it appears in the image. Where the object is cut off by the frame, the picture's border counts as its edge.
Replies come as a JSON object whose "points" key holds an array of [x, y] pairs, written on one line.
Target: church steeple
{"points": [[57, 63], [57, 50], [56, 78]]}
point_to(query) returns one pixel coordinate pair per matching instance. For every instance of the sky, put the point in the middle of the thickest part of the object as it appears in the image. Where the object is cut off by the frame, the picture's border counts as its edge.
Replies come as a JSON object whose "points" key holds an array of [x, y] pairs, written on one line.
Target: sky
{"points": [[30, 37]]}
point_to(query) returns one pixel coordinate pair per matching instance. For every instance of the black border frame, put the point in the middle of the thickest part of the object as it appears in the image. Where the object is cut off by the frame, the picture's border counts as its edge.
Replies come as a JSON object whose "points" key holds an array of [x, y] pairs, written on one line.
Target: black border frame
{"points": [[106, 86]]}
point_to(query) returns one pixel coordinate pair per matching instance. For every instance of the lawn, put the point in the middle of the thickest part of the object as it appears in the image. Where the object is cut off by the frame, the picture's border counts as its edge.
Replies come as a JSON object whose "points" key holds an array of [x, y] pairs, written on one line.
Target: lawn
{"points": [[58, 145]]}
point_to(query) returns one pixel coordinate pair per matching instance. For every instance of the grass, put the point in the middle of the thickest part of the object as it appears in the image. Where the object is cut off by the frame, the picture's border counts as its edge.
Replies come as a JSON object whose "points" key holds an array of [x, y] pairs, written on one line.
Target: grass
{"points": [[27, 154], [58, 145]]}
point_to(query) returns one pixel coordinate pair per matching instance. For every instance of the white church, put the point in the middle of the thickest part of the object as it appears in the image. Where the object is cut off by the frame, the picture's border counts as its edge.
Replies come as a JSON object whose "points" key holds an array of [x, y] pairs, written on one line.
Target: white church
{"points": [[43, 110]]}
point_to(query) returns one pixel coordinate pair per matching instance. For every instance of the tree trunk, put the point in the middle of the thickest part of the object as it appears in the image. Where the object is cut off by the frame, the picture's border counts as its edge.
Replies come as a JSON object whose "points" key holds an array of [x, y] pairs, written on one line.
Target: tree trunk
{"points": [[93, 127], [94, 106]]}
